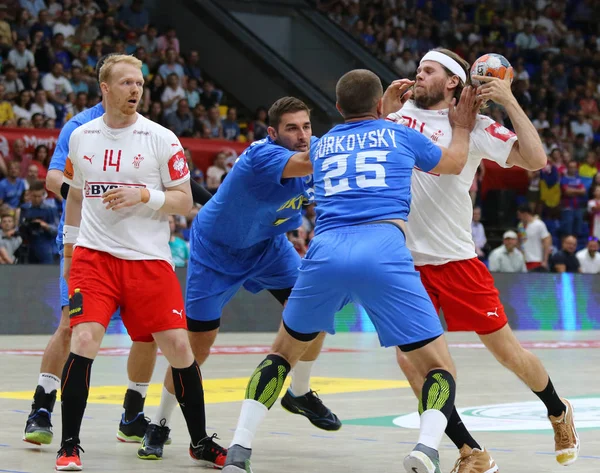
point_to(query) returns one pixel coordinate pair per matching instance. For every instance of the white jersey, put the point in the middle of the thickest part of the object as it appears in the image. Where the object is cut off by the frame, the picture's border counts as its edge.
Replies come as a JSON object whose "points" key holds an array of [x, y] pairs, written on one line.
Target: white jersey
{"points": [[439, 223], [144, 154]]}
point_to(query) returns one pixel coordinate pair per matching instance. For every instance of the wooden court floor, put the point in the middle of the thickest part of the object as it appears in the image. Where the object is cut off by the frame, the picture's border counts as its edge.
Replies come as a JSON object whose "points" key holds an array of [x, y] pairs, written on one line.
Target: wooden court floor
{"points": [[356, 378]]}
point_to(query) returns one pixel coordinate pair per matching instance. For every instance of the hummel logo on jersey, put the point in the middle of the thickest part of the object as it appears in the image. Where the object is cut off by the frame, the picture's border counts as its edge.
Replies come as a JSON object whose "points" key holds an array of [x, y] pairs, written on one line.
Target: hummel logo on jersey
{"points": [[88, 158], [97, 189], [493, 314], [179, 313]]}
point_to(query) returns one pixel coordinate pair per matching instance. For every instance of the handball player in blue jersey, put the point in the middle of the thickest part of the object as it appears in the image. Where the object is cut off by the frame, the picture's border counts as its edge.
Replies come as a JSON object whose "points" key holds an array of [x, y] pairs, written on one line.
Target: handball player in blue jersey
{"points": [[38, 429], [238, 239], [362, 177]]}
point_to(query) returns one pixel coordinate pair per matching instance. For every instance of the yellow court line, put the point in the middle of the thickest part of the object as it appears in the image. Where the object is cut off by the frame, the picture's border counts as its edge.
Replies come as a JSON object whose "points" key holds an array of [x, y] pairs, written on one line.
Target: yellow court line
{"points": [[229, 389]]}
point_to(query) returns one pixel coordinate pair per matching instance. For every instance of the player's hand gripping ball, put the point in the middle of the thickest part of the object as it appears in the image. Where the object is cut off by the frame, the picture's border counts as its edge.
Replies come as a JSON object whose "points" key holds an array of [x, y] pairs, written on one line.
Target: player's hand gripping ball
{"points": [[490, 65]]}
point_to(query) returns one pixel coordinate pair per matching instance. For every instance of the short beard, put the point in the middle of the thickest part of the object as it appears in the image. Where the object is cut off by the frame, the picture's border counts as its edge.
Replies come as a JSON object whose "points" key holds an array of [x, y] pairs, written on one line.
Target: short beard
{"points": [[430, 99]]}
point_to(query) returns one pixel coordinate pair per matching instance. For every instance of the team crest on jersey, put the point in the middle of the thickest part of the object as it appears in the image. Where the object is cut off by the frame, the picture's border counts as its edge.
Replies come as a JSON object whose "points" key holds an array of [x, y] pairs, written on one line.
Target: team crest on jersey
{"points": [[500, 132], [137, 161], [437, 135], [178, 166]]}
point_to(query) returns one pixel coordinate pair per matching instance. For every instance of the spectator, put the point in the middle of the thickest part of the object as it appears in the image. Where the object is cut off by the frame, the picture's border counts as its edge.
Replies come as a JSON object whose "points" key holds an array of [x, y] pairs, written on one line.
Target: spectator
{"points": [[42, 25], [192, 68], [478, 233], [21, 57], [168, 41], [573, 201], [210, 95], [134, 17], [130, 43], [22, 108], [22, 24], [149, 40], [140, 53], [33, 80], [214, 125], [580, 148], [109, 31], [258, 127], [172, 94], [507, 258], [171, 66], [80, 103], [179, 248], [12, 187], [534, 239], [38, 226], [56, 85], [61, 54], [41, 158], [588, 170], [86, 32], [32, 175], [216, 173], [6, 36], [583, 127], [37, 120], [593, 208], [231, 129], [405, 65], [565, 261], [589, 259], [6, 109], [10, 242], [64, 27], [12, 84], [78, 85], [181, 121], [34, 7], [40, 105], [156, 113], [191, 92]]}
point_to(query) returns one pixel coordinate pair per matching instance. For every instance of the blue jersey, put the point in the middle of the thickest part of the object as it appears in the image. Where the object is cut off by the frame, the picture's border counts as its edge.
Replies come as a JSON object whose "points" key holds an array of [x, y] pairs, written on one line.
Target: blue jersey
{"points": [[61, 152], [362, 172], [254, 203]]}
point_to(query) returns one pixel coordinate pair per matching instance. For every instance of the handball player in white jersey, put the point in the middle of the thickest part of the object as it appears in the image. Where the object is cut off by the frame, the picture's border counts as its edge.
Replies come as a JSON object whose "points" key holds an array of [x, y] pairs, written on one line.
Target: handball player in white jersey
{"points": [[439, 237], [127, 175]]}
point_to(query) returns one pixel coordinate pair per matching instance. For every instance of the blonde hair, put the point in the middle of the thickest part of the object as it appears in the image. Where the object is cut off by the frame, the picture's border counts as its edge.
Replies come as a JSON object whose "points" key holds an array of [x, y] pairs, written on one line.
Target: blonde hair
{"points": [[109, 63]]}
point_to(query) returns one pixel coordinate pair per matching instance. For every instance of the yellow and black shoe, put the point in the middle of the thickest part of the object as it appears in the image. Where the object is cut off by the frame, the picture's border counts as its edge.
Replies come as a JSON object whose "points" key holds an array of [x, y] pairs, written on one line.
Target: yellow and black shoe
{"points": [[134, 430], [38, 429], [154, 441]]}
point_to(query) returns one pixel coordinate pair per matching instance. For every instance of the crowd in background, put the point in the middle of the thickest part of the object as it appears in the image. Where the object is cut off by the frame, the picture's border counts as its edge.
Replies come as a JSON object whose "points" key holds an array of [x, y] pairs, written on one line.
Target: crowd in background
{"points": [[49, 50]]}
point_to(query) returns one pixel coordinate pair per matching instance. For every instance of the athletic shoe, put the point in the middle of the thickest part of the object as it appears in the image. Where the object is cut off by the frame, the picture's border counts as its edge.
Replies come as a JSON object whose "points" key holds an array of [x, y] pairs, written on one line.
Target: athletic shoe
{"points": [[68, 456], [422, 460], [566, 440], [473, 460], [208, 453], [238, 460], [153, 442], [38, 429], [311, 407], [134, 430]]}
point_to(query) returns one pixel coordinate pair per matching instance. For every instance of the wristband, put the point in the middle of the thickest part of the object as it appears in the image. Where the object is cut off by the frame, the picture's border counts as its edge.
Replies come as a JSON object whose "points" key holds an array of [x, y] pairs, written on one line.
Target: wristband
{"points": [[70, 234], [153, 198], [68, 250]]}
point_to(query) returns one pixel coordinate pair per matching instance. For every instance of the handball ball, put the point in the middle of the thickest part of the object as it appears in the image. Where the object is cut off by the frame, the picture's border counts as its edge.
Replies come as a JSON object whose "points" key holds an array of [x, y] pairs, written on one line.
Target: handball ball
{"points": [[491, 65]]}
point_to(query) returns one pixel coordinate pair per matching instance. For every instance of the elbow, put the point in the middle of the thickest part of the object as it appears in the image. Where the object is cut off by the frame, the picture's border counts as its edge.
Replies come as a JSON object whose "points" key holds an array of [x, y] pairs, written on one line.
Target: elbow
{"points": [[187, 204], [539, 162]]}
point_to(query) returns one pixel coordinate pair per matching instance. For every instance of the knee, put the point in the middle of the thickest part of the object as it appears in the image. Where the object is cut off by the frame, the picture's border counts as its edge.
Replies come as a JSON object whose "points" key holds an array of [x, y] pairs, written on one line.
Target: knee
{"points": [[83, 341]]}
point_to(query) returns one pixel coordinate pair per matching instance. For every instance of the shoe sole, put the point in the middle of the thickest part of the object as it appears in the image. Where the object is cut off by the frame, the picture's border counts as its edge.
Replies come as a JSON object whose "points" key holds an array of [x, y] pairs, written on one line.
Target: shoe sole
{"points": [[418, 462], [334, 428], [149, 457], [570, 457], [207, 464], [69, 467], [38, 438], [125, 439]]}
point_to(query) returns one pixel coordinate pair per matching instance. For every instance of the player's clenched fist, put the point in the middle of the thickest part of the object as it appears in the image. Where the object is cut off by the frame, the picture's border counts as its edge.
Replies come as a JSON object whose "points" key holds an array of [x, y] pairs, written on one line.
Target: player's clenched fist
{"points": [[117, 199]]}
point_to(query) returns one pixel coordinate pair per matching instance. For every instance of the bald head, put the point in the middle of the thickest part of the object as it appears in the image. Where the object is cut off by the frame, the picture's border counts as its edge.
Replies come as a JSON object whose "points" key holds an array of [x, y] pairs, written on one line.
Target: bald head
{"points": [[357, 93]]}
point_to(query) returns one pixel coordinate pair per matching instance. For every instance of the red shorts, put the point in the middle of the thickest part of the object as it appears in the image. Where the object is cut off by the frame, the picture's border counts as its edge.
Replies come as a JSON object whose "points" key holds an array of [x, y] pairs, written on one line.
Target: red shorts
{"points": [[465, 292], [147, 291]]}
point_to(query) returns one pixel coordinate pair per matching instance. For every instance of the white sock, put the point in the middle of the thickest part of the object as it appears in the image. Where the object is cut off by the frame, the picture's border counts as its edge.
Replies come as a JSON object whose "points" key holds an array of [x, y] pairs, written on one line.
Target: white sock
{"points": [[433, 425], [49, 382], [168, 402], [251, 416], [301, 378], [141, 388]]}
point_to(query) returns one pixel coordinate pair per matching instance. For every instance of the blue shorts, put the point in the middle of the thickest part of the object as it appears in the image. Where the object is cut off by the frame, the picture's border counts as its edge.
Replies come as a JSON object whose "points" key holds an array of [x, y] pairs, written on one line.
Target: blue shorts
{"points": [[371, 266], [64, 287], [216, 272]]}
